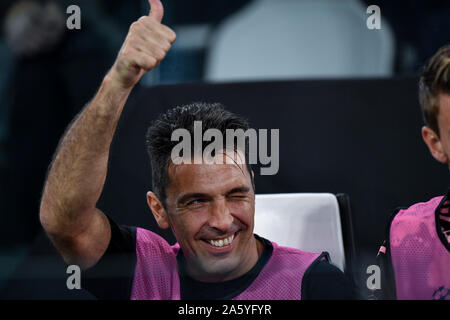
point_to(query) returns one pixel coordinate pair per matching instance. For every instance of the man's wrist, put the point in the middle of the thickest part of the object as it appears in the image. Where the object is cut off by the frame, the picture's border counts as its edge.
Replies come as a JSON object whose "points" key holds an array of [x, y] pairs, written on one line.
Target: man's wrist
{"points": [[111, 97], [111, 81]]}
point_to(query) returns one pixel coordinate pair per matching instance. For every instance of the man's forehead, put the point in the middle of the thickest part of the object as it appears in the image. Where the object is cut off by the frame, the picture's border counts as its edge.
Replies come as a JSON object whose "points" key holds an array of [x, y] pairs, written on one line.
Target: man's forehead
{"points": [[182, 172], [227, 155], [444, 101], [444, 110], [206, 178]]}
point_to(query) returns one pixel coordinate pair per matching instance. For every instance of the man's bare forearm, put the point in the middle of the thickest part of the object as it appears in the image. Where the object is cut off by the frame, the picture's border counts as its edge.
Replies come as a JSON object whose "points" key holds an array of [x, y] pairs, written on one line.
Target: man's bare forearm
{"points": [[78, 172], [68, 212]]}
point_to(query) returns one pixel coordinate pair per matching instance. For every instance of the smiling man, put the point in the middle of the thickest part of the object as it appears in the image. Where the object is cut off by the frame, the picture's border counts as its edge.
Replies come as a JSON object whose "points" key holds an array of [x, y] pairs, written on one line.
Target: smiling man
{"points": [[209, 207]]}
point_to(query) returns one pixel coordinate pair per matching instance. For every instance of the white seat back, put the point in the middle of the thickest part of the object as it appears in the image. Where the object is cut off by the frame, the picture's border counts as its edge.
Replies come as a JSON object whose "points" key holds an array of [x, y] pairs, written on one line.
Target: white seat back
{"points": [[306, 221], [291, 39]]}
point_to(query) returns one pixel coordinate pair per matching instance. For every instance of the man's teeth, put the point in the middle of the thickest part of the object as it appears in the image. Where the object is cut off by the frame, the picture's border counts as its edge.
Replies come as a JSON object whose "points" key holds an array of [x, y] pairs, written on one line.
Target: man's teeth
{"points": [[222, 242]]}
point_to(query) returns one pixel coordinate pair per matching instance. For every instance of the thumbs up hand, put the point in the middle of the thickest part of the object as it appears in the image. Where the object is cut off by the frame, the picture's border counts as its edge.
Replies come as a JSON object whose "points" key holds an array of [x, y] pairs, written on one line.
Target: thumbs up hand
{"points": [[145, 46]]}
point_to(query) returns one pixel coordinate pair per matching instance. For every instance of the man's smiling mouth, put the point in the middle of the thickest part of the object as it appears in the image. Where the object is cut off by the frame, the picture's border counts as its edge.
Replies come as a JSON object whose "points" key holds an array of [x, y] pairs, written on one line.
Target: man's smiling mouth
{"points": [[222, 242]]}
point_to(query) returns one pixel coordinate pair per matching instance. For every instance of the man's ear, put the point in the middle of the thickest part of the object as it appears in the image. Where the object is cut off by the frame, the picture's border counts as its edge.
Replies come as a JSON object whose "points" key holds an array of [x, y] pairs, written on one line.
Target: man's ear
{"points": [[434, 144], [158, 210]]}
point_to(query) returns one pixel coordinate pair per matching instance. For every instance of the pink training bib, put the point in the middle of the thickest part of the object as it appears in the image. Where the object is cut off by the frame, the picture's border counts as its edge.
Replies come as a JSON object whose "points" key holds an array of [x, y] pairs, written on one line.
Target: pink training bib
{"points": [[156, 275], [420, 260]]}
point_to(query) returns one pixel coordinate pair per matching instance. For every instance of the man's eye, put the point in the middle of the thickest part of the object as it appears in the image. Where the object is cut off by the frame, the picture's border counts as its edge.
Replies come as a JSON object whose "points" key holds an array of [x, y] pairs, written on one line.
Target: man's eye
{"points": [[238, 196], [196, 201]]}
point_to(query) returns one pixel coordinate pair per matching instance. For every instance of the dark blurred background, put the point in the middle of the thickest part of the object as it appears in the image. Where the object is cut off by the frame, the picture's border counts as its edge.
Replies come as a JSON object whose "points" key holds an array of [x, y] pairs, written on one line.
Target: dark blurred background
{"points": [[343, 95]]}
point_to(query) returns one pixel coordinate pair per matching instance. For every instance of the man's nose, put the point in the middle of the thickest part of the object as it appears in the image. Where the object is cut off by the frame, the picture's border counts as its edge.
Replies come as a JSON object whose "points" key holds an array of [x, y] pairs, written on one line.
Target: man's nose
{"points": [[220, 216]]}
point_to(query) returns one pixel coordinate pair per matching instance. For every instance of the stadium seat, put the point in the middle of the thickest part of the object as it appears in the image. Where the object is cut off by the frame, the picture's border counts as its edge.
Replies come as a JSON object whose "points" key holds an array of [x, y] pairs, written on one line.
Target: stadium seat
{"points": [[293, 39], [308, 221]]}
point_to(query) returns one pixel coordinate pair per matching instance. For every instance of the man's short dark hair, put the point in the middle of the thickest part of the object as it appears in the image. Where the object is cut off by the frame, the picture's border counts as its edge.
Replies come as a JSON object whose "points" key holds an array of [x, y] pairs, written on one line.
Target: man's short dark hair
{"points": [[160, 145], [435, 80]]}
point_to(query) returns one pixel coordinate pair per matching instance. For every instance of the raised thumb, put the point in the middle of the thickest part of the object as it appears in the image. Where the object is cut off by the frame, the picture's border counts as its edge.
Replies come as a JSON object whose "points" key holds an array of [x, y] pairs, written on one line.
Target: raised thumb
{"points": [[156, 10]]}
